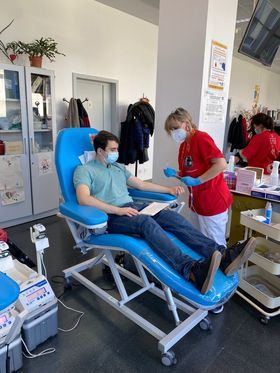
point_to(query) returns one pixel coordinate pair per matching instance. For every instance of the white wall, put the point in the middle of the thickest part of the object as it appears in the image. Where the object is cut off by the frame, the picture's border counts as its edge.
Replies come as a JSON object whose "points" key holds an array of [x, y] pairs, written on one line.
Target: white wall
{"points": [[183, 64], [221, 21], [97, 40], [244, 77]]}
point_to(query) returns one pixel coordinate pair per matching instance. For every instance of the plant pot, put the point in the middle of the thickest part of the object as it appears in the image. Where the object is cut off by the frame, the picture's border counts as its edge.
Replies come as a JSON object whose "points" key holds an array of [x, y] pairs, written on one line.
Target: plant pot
{"points": [[36, 61], [13, 57]]}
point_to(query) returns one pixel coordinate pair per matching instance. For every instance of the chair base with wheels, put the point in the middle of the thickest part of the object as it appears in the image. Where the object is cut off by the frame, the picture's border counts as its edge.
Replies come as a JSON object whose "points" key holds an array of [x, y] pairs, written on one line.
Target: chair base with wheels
{"points": [[71, 144]]}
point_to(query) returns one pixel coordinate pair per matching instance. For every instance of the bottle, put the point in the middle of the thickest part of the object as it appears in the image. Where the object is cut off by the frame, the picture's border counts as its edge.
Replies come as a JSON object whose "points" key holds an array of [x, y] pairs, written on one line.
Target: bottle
{"points": [[268, 212], [274, 177], [230, 166]]}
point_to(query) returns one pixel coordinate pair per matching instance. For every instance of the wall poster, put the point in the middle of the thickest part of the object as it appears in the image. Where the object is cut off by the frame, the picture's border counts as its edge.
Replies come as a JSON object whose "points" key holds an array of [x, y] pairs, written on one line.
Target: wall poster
{"points": [[218, 66], [11, 180], [214, 107], [45, 163]]}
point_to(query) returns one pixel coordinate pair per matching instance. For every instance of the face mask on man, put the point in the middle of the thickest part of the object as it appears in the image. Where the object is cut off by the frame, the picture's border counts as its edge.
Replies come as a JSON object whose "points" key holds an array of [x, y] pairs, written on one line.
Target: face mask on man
{"points": [[112, 157], [179, 135], [258, 131]]}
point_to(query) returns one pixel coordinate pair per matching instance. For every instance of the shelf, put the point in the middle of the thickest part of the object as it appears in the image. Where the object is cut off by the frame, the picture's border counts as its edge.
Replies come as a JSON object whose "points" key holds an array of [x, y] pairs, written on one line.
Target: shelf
{"points": [[10, 131], [270, 230], [255, 283], [43, 130], [11, 100], [266, 246]]}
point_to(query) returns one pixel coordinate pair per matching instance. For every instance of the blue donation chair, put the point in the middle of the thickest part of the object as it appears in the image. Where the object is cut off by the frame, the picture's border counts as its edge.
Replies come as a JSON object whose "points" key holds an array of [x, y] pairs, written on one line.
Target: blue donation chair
{"points": [[72, 143]]}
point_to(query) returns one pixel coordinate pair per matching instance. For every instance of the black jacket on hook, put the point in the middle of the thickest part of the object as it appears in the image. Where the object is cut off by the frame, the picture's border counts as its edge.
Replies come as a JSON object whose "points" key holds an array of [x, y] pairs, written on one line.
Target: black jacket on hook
{"points": [[135, 132], [236, 135]]}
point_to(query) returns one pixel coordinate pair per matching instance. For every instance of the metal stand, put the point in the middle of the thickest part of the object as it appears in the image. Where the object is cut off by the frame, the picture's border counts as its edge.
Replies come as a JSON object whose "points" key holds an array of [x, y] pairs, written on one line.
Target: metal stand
{"points": [[166, 341]]}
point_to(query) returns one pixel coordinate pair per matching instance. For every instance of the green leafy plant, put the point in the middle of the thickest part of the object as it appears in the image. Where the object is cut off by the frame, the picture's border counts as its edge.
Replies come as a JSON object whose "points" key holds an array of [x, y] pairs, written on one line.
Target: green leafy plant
{"points": [[39, 48], [14, 47], [3, 47]]}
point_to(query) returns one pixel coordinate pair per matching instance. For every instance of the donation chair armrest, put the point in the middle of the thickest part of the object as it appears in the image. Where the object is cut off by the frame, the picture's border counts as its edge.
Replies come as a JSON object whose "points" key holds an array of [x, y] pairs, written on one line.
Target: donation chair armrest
{"points": [[151, 196], [84, 215]]}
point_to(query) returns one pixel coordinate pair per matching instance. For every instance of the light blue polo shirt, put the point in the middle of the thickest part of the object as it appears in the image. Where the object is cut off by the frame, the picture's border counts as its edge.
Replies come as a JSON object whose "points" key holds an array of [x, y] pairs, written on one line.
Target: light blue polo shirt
{"points": [[108, 184]]}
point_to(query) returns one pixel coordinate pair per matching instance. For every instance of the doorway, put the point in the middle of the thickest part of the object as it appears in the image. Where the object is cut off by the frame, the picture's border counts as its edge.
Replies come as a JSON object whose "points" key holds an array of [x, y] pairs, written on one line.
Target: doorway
{"points": [[101, 103]]}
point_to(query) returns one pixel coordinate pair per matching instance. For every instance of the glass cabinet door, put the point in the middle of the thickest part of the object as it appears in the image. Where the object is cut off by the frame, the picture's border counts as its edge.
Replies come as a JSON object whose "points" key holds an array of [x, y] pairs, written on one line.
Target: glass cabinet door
{"points": [[11, 138], [41, 96], [15, 187]]}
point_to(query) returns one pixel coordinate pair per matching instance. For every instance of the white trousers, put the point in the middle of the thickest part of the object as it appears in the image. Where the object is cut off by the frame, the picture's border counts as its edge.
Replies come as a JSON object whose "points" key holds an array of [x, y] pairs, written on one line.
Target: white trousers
{"points": [[213, 227]]}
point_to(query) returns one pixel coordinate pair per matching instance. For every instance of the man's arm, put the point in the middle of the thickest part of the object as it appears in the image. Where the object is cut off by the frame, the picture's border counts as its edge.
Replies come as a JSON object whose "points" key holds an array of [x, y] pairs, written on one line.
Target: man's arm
{"points": [[136, 183], [84, 198]]}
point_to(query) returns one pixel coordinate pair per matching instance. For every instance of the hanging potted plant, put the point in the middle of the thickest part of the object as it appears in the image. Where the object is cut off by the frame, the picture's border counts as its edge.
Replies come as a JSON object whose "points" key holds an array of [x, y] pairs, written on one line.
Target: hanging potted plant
{"points": [[38, 49], [3, 47], [13, 49]]}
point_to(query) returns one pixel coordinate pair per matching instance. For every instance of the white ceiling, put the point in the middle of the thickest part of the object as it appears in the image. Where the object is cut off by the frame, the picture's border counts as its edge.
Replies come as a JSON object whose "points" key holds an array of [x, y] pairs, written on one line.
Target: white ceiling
{"points": [[148, 10]]}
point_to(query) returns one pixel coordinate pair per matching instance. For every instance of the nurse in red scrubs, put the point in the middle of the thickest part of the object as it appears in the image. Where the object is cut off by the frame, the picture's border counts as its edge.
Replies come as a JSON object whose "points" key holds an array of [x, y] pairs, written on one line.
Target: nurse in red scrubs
{"points": [[263, 148], [201, 166]]}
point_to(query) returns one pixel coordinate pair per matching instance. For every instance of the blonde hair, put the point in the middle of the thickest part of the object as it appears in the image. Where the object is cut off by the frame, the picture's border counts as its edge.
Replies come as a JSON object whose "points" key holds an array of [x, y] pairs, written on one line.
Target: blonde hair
{"points": [[179, 115]]}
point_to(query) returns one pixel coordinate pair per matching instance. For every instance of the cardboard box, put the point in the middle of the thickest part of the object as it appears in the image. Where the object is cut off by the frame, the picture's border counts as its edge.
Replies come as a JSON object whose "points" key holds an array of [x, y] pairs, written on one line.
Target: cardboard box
{"points": [[245, 180], [273, 193], [13, 147], [260, 190]]}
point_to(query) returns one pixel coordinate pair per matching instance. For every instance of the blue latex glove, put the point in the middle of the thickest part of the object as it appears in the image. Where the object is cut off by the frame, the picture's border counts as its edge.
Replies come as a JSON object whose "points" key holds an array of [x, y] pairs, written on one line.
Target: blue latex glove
{"points": [[191, 181], [170, 172]]}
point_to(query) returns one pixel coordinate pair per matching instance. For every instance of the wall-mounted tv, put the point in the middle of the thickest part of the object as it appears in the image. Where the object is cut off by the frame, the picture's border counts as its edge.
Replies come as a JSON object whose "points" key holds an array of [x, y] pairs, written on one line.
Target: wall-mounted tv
{"points": [[262, 36]]}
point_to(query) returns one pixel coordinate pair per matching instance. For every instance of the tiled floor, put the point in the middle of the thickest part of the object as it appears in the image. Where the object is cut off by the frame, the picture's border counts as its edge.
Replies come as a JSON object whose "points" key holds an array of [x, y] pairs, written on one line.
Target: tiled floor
{"points": [[105, 341]]}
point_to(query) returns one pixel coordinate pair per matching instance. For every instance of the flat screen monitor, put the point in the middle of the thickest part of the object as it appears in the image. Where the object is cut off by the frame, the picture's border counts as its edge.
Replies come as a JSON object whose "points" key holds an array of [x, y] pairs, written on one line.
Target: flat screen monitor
{"points": [[262, 36]]}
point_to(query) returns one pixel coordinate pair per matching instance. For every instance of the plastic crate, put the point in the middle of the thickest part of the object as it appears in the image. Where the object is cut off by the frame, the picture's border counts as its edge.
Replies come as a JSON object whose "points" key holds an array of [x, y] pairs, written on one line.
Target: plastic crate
{"points": [[256, 275], [264, 246]]}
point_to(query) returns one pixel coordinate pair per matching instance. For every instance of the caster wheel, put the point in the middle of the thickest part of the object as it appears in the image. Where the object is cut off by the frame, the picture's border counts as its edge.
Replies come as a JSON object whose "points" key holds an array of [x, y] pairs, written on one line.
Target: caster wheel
{"points": [[264, 320], [205, 324], [217, 310], [168, 358], [67, 284]]}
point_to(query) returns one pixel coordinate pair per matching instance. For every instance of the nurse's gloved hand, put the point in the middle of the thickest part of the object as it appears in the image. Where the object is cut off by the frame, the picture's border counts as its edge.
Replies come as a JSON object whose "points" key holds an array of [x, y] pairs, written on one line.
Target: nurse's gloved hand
{"points": [[170, 172], [191, 181]]}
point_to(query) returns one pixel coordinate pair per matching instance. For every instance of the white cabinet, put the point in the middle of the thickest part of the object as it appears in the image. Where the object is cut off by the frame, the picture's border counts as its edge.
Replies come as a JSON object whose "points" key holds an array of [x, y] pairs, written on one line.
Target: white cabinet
{"points": [[28, 185]]}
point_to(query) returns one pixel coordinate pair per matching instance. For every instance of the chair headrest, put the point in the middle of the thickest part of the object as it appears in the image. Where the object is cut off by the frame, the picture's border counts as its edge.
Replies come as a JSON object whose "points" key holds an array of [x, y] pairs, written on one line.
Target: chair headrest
{"points": [[71, 143]]}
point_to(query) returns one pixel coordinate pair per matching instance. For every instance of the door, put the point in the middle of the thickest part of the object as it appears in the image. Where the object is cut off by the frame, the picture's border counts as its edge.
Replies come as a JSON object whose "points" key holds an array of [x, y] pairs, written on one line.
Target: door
{"points": [[101, 100], [42, 132], [15, 190]]}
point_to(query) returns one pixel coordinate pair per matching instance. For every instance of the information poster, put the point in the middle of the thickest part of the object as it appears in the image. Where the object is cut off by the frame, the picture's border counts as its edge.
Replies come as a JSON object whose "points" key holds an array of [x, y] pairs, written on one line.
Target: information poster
{"points": [[11, 180], [45, 163], [214, 107], [218, 66]]}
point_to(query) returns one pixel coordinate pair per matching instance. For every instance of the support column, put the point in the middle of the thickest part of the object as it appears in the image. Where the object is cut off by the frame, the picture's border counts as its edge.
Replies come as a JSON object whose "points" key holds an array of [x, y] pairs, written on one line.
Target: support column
{"points": [[187, 32]]}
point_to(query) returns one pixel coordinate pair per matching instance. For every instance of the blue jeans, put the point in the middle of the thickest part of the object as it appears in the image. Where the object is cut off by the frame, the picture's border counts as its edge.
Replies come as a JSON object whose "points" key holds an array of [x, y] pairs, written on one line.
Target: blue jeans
{"points": [[152, 229]]}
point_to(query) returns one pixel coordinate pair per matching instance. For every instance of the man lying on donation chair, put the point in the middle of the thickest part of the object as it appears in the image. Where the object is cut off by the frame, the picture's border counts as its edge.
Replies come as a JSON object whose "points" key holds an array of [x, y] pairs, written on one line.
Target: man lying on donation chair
{"points": [[102, 183]]}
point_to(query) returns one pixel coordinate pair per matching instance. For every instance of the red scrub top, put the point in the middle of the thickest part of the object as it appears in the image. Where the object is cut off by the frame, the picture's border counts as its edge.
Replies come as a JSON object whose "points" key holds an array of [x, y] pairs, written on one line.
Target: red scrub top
{"points": [[262, 150], [212, 197]]}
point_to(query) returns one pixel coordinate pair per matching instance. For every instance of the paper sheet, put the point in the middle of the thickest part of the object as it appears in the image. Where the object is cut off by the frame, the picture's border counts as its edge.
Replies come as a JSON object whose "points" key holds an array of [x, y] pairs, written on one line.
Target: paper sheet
{"points": [[154, 208], [45, 163], [11, 173], [9, 197]]}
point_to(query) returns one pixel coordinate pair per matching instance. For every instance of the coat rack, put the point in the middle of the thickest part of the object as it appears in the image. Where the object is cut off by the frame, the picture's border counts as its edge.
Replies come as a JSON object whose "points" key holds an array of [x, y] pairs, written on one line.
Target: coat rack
{"points": [[144, 99], [86, 99]]}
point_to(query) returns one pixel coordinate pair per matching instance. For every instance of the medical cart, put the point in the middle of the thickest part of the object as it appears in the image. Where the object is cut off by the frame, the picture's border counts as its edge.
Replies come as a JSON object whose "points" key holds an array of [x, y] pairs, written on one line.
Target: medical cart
{"points": [[260, 278]]}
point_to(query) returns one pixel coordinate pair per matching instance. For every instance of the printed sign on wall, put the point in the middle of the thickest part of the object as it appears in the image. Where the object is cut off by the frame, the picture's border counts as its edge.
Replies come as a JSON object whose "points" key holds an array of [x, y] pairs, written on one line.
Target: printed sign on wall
{"points": [[218, 66]]}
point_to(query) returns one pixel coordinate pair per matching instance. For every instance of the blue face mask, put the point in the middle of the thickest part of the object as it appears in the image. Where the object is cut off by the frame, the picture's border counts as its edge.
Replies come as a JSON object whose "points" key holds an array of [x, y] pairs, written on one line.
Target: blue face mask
{"points": [[258, 131], [179, 135], [112, 157]]}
